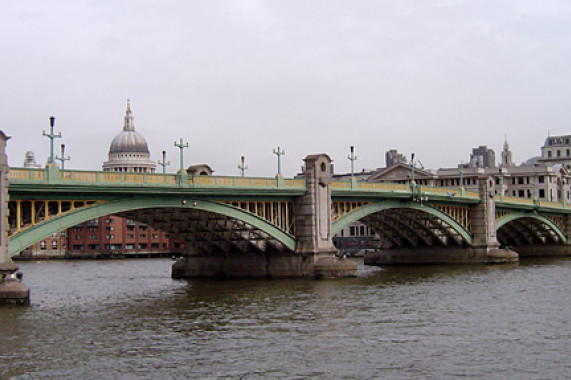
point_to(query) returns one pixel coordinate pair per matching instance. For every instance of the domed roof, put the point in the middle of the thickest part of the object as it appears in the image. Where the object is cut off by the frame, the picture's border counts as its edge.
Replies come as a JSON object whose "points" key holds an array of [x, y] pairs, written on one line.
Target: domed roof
{"points": [[129, 140]]}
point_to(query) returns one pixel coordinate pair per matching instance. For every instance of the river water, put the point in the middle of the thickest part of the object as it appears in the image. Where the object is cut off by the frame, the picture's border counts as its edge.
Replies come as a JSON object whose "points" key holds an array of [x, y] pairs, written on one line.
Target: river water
{"points": [[127, 319]]}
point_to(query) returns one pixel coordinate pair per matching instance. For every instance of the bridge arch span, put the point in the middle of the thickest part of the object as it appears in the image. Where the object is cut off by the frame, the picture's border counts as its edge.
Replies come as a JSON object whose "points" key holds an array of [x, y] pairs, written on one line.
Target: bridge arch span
{"points": [[407, 223], [250, 224], [525, 228]]}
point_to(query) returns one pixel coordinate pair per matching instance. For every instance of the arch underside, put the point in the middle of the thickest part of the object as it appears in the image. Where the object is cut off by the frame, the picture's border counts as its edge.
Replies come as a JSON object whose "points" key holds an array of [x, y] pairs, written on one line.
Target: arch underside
{"points": [[207, 232], [204, 226], [413, 227], [529, 231]]}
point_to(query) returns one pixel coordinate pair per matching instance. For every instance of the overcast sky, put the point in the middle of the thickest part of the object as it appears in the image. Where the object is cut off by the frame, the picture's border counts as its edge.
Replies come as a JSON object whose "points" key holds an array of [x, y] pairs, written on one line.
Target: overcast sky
{"points": [[233, 78]]}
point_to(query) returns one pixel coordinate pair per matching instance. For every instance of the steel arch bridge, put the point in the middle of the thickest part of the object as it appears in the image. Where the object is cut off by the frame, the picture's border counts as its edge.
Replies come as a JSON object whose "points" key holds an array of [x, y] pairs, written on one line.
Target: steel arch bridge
{"points": [[224, 214]]}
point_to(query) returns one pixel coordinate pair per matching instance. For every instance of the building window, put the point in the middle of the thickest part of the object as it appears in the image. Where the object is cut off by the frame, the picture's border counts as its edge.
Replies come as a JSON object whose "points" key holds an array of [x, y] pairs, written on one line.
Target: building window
{"points": [[521, 194], [558, 153], [42, 244], [541, 179], [541, 193], [549, 153]]}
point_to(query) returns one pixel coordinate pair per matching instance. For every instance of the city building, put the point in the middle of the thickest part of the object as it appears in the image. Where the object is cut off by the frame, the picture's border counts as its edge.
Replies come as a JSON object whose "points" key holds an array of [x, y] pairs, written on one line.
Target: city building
{"points": [[556, 150]]}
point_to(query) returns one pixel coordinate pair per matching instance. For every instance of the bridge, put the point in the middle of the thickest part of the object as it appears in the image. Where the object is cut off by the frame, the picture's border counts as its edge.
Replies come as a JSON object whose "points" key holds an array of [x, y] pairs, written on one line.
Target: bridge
{"points": [[278, 227]]}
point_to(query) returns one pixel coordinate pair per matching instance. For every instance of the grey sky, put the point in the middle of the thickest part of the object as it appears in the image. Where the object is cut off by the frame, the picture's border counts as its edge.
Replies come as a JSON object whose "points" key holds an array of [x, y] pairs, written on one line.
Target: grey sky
{"points": [[241, 77]]}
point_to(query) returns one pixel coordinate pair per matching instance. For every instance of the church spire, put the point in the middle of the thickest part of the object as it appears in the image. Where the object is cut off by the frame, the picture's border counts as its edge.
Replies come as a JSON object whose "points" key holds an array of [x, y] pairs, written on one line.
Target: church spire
{"points": [[507, 154], [129, 126]]}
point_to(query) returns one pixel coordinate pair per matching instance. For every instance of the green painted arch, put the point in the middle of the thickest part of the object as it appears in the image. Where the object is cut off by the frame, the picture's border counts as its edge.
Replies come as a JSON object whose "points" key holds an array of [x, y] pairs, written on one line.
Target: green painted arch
{"points": [[41, 231], [372, 208], [521, 215]]}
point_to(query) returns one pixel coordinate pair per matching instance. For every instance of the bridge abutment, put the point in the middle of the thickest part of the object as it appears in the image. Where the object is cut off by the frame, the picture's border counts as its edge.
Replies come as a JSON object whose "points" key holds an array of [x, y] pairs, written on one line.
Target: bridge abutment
{"points": [[313, 222], [11, 288], [485, 246]]}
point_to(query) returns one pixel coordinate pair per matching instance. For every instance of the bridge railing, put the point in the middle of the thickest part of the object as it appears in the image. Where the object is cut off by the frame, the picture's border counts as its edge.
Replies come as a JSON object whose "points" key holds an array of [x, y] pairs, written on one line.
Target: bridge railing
{"points": [[100, 178], [402, 188], [531, 203]]}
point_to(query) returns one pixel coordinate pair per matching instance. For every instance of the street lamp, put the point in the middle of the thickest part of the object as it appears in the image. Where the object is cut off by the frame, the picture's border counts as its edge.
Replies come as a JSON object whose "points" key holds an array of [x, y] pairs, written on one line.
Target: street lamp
{"points": [[165, 163], [51, 136], [352, 158], [242, 167], [412, 169], [501, 178], [181, 146], [279, 152], [63, 158]]}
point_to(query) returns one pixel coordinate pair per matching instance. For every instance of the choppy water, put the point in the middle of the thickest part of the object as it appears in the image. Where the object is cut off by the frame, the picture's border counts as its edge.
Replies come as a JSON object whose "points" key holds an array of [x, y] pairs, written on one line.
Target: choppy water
{"points": [[129, 320]]}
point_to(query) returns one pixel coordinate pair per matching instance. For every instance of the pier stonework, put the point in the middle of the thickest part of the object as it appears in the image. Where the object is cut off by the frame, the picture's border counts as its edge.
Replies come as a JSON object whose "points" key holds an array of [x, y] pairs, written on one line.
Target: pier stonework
{"points": [[486, 247], [313, 222], [11, 289]]}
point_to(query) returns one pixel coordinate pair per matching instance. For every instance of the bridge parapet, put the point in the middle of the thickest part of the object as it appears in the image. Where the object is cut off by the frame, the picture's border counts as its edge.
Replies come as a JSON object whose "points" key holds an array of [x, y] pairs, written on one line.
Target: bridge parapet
{"points": [[340, 188], [22, 176]]}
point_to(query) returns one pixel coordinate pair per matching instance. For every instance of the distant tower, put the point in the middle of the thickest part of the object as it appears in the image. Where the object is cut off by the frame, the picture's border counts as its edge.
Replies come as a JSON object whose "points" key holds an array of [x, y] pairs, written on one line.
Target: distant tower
{"points": [[507, 155], [129, 151], [393, 157], [482, 157]]}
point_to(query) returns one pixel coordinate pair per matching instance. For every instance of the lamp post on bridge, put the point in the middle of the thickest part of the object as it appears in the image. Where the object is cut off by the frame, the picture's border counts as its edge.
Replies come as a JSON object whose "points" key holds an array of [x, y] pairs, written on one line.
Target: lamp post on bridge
{"points": [[165, 163], [461, 178], [181, 146], [501, 178], [63, 158], [51, 136], [412, 183], [242, 167], [279, 152], [352, 158]]}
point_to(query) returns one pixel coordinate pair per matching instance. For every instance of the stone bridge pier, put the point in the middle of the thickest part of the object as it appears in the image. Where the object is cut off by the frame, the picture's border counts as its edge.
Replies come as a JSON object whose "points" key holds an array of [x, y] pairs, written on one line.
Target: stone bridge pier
{"points": [[315, 256], [485, 247], [11, 289]]}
